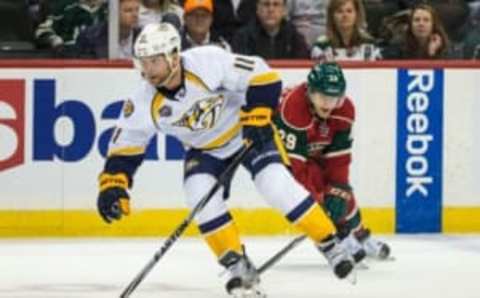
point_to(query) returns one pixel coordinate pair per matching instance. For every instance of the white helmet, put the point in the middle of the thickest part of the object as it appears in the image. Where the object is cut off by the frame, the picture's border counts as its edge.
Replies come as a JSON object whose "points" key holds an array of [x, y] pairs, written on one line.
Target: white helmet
{"points": [[158, 39], [155, 39]]}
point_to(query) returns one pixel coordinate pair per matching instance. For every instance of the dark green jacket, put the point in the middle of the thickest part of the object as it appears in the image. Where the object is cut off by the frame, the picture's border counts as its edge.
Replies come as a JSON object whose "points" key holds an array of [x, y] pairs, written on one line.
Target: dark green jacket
{"points": [[67, 20]]}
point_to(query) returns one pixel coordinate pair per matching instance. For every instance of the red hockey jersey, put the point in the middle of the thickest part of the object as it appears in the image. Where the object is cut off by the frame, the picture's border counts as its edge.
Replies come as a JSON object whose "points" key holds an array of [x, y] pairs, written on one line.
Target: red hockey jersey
{"points": [[319, 149]]}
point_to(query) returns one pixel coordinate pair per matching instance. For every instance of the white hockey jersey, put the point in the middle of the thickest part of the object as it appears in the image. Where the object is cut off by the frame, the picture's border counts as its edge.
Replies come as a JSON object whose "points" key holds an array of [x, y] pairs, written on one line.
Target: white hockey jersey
{"points": [[204, 114]]}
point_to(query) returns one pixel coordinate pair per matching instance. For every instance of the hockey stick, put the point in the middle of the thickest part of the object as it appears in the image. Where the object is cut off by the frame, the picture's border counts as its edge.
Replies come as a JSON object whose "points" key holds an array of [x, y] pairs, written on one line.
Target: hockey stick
{"points": [[276, 257], [185, 223]]}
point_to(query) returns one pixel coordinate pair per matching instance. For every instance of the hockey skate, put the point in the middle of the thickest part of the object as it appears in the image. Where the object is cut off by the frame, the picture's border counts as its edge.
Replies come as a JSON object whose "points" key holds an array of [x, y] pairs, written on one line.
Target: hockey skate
{"points": [[339, 258], [354, 247], [374, 248], [243, 281]]}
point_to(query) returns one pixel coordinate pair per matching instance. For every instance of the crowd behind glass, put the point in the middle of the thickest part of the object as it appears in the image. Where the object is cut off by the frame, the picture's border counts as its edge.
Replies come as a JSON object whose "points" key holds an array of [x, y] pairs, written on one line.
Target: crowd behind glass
{"points": [[361, 30]]}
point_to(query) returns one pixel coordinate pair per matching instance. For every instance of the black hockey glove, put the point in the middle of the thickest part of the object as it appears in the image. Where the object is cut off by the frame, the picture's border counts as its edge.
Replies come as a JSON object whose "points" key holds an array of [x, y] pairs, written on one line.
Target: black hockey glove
{"points": [[339, 202], [257, 127], [113, 200]]}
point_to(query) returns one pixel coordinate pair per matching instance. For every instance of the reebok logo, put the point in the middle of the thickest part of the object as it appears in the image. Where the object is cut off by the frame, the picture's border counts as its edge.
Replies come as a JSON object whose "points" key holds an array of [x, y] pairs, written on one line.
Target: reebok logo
{"points": [[419, 150]]}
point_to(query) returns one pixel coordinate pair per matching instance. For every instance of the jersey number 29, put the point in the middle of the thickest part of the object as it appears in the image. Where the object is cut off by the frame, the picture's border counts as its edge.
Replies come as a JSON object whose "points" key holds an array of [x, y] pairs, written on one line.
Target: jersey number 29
{"points": [[288, 139]]}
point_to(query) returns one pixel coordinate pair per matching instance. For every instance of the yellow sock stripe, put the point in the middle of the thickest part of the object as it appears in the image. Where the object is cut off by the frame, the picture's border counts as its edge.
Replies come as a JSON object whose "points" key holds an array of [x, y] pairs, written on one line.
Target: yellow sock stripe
{"points": [[112, 180], [127, 151], [315, 223], [224, 239], [260, 116]]}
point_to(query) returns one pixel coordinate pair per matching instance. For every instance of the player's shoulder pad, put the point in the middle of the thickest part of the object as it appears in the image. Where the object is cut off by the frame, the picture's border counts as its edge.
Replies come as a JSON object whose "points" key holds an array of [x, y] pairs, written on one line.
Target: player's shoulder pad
{"points": [[345, 113], [295, 110], [205, 62]]}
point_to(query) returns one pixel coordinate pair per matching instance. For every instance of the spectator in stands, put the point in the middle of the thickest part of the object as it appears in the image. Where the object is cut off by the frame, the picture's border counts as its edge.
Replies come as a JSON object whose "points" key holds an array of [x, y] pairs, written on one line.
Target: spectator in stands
{"points": [[393, 28], [452, 13], [15, 25], [471, 48], [346, 38], [231, 15], [155, 11], [471, 44], [35, 11], [198, 18], [309, 17], [376, 11], [424, 38], [67, 19], [270, 35], [93, 41]]}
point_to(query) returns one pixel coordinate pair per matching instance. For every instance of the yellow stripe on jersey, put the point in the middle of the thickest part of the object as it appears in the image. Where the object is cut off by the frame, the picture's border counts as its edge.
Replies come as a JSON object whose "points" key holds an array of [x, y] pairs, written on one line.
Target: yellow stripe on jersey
{"points": [[128, 151], [265, 78], [157, 104], [196, 80], [224, 239], [280, 146], [315, 223], [223, 138]]}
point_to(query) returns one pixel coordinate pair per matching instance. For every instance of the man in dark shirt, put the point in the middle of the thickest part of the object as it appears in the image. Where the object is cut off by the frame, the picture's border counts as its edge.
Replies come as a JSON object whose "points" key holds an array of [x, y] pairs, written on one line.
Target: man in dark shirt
{"points": [[270, 35]]}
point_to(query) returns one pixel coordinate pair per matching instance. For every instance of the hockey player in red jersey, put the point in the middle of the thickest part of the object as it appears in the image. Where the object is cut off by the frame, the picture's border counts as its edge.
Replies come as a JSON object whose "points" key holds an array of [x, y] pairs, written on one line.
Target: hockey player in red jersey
{"points": [[315, 122]]}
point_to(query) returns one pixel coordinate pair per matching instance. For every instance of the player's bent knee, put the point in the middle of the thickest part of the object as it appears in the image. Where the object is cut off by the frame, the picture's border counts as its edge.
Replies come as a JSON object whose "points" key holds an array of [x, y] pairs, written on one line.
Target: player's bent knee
{"points": [[279, 188], [196, 187]]}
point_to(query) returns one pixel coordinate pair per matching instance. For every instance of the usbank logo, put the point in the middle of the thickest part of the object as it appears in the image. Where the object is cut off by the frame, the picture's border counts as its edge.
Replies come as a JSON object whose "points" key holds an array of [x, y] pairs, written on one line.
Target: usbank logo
{"points": [[46, 112], [12, 123], [419, 150]]}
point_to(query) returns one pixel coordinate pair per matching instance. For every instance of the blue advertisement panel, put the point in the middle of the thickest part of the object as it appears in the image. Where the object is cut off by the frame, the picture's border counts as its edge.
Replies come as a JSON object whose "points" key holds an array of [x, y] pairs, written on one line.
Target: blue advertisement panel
{"points": [[419, 150]]}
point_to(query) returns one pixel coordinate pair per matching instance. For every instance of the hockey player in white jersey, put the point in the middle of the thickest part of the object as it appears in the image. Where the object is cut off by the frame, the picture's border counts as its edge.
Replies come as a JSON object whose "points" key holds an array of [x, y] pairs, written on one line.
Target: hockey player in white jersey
{"points": [[212, 101]]}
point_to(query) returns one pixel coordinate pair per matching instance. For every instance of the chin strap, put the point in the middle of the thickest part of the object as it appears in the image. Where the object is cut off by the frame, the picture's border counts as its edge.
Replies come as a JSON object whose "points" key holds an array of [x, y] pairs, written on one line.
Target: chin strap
{"points": [[172, 69]]}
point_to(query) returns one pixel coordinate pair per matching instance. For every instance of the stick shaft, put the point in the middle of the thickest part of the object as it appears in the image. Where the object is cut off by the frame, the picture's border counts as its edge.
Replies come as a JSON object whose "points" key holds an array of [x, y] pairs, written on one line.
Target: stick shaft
{"points": [[280, 254], [184, 224]]}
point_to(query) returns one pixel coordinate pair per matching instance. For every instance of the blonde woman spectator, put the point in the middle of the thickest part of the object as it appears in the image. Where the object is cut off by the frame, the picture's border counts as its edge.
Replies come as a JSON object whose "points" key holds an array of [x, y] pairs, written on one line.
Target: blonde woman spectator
{"points": [[346, 38], [154, 11], [424, 38]]}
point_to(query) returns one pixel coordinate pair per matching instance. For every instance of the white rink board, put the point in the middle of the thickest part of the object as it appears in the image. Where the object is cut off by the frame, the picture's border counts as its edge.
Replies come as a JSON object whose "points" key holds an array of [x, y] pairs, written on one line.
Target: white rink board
{"points": [[61, 185], [462, 138]]}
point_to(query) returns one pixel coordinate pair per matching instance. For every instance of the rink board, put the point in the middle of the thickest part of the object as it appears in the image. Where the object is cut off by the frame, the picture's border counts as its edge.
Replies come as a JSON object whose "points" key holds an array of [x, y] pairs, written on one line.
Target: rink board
{"points": [[55, 122]]}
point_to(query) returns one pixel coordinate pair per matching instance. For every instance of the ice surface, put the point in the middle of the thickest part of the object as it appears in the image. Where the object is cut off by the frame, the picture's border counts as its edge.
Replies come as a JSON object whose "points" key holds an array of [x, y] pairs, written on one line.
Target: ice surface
{"points": [[435, 266]]}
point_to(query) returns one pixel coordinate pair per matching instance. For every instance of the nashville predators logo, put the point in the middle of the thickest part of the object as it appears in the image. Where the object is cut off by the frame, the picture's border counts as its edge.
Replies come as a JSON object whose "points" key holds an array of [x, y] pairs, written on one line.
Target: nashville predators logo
{"points": [[203, 114], [128, 108]]}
